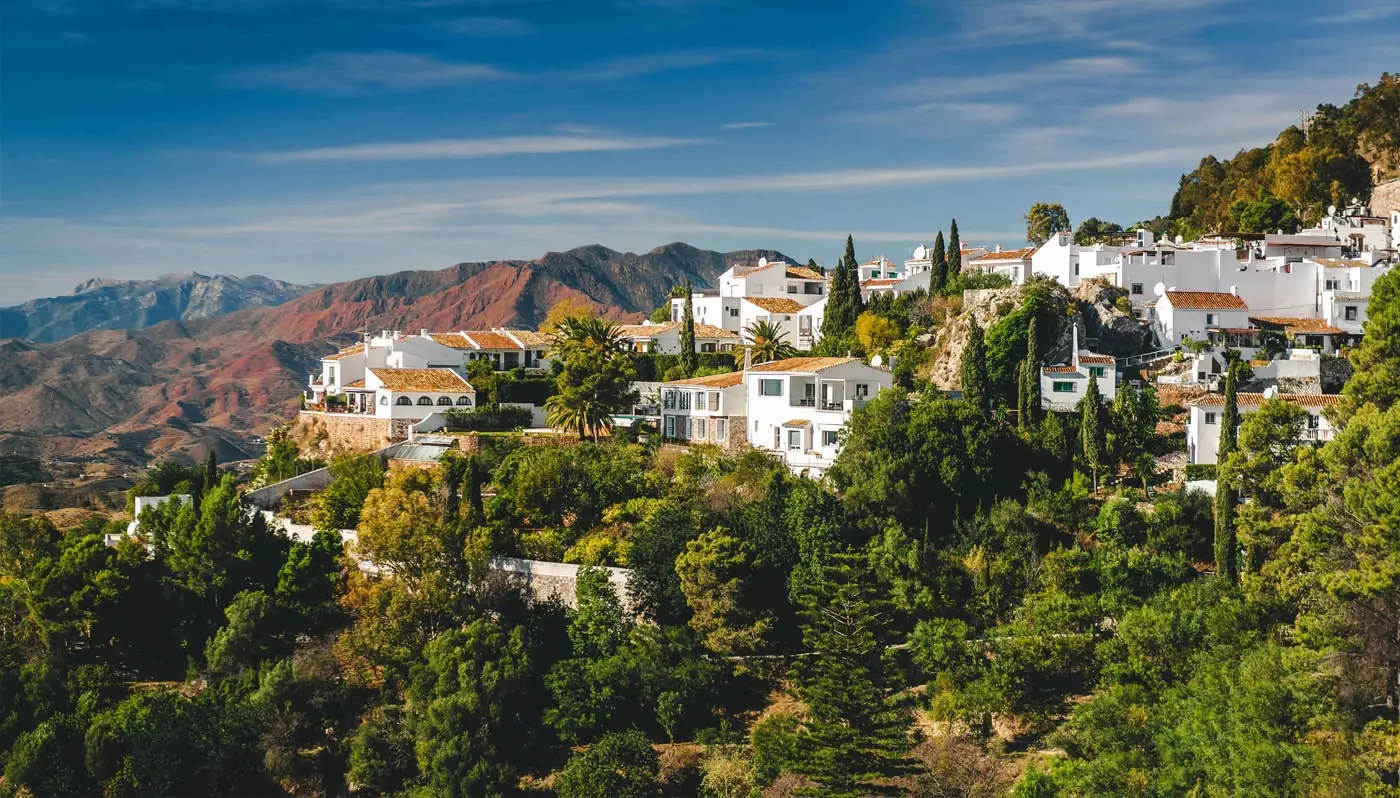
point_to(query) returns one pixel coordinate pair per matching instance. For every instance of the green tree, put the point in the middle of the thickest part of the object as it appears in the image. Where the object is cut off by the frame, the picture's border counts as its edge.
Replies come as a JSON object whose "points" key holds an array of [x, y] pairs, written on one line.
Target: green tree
{"points": [[954, 252], [1225, 543], [690, 359], [248, 637], [1091, 434], [856, 732], [382, 755], [843, 304], [938, 269], [1095, 231], [471, 707], [596, 380], [1044, 220], [1267, 215], [1376, 362], [857, 299], [767, 341], [1267, 439], [975, 389], [712, 571], [620, 765], [876, 333], [1028, 404], [352, 478]]}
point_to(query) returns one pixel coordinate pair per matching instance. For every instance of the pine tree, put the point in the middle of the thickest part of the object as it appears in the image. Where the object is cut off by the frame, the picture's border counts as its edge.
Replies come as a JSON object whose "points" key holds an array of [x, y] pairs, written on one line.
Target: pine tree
{"points": [[1224, 492], [954, 252], [938, 269], [974, 369], [690, 360], [1091, 437], [857, 728], [814, 266], [843, 305]]}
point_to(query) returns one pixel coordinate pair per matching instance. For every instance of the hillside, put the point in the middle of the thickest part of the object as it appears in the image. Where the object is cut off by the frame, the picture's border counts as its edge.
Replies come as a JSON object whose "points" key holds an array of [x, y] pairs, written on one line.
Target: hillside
{"points": [[99, 304], [1339, 153], [184, 387]]}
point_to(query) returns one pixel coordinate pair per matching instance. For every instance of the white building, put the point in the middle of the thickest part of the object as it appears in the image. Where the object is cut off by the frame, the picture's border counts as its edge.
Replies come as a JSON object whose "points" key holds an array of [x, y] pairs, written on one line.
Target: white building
{"points": [[142, 504], [1189, 314], [797, 407], [1355, 229], [1013, 264], [1062, 386], [410, 393], [665, 338], [776, 292], [705, 410], [1203, 427]]}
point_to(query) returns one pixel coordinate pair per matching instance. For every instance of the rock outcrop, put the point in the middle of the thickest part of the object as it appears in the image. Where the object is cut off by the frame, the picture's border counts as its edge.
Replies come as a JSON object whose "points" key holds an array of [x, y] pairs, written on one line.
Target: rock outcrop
{"points": [[1106, 318]]}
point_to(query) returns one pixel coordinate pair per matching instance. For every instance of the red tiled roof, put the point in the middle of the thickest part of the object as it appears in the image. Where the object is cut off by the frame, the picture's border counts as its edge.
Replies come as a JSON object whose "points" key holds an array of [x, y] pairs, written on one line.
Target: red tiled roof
{"points": [[804, 364], [1293, 325], [1060, 370], [726, 380], [1205, 300], [797, 422], [774, 304], [344, 353], [1097, 359], [1300, 399], [803, 273], [488, 339], [1008, 254], [425, 380], [452, 340]]}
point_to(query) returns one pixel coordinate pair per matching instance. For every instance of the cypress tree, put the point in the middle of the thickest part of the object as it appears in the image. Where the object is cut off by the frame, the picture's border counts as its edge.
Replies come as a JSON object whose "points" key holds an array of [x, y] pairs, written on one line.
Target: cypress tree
{"points": [[938, 270], [211, 470], [1030, 375], [974, 369], [1224, 493], [1091, 429], [857, 301], [1021, 412], [690, 360], [954, 252]]}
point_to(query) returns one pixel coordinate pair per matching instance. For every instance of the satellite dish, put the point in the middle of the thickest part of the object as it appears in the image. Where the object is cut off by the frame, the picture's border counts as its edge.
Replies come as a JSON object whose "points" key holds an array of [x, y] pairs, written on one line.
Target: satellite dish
{"points": [[877, 361], [762, 262], [1159, 289], [1331, 210], [920, 252]]}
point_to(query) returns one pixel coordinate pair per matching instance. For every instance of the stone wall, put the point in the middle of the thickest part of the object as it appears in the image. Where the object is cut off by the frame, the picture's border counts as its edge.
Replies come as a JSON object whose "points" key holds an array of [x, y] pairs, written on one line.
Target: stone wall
{"points": [[324, 435], [1385, 198]]}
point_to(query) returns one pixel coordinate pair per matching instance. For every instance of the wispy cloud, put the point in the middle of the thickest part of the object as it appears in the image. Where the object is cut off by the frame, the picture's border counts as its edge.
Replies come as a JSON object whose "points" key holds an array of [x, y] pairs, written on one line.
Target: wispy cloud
{"points": [[635, 66], [469, 148], [744, 125], [1054, 73], [362, 73], [489, 26], [1039, 20], [1363, 14]]}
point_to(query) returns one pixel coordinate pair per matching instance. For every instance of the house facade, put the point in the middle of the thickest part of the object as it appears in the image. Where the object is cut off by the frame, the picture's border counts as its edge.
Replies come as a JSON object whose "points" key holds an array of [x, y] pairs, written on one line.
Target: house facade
{"points": [[797, 407], [705, 410], [1203, 425], [412, 393], [1190, 314], [1062, 386]]}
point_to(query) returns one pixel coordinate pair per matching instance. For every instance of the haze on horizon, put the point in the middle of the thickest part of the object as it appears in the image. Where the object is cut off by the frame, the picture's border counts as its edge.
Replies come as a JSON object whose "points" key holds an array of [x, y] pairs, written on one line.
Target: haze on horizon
{"points": [[320, 140]]}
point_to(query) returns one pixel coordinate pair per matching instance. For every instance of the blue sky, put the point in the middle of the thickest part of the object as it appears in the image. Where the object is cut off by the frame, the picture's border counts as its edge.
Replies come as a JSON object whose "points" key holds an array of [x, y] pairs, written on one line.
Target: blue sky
{"points": [[321, 140]]}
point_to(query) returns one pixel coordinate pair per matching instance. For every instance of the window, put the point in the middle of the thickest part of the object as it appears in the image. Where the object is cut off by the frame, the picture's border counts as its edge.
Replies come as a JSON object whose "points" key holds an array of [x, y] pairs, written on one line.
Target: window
{"points": [[1332, 285], [699, 429], [770, 387], [721, 430], [707, 347], [1062, 387], [1210, 418], [425, 400], [714, 401], [668, 400], [875, 274], [330, 375], [1137, 289], [670, 426], [445, 400], [734, 313], [1351, 313], [685, 400], [792, 289], [676, 313], [862, 390], [1097, 371], [384, 400], [828, 437], [1076, 270], [403, 400], [1210, 319], [794, 440], [464, 401]]}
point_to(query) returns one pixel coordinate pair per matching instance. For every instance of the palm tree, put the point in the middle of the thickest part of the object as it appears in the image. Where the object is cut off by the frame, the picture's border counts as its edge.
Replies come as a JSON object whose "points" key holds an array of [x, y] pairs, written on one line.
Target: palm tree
{"points": [[597, 377], [768, 342], [579, 334]]}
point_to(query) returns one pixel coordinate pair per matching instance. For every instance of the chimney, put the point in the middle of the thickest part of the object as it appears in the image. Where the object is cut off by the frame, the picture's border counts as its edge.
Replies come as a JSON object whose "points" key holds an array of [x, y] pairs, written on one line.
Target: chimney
{"points": [[1074, 345], [998, 248], [1235, 290], [423, 331]]}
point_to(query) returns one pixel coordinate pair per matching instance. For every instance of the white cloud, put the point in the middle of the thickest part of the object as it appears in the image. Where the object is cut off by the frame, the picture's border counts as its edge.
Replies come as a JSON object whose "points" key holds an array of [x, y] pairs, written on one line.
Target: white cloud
{"points": [[635, 66], [1054, 73], [469, 148], [1039, 20], [744, 125], [363, 73], [489, 26]]}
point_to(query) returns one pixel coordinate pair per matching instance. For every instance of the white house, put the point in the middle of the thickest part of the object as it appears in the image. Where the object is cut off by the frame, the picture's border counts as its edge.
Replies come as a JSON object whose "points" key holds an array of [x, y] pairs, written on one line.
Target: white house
{"points": [[411, 393], [1302, 246], [705, 410], [1203, 427], [665, 338], [1062, 386], [798, 406], [1183, 314], [1013, 264], [775, 292]]}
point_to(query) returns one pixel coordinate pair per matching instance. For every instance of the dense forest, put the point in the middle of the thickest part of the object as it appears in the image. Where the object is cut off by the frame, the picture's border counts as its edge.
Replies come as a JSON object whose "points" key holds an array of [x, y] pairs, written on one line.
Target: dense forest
{"points": [[981, 599], [1329, 159]]}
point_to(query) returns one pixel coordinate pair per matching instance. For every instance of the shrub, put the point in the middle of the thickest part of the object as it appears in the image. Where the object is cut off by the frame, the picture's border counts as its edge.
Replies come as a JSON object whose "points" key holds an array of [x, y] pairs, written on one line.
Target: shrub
{"points": [[1196, 471], [528, 389], [651, 366], [489, 418]]}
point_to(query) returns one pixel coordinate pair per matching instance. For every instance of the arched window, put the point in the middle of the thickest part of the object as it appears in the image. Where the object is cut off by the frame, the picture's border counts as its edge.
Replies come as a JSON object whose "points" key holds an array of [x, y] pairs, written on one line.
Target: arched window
{"points": [[445, 400], [403, 400], [384, 399], [464, 401], [425, 400]]}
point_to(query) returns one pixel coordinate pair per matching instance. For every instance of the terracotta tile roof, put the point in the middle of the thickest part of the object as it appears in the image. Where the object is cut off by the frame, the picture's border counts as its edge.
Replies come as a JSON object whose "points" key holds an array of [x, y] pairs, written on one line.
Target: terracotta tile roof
{"points": [[1300, 399], [726, 380], [1332, 263], [797, 422], [648, 330], [880, 283], [1008, 254], [1351, 297], [710, 332], [530, 338], [804, 364], [347, 352], [1097, 359], [802, 273], [1060, 370], [1205, 300], [1292, 325], [426, 380], [360, 383], [489, 339], [774, 304], [453, 340]]}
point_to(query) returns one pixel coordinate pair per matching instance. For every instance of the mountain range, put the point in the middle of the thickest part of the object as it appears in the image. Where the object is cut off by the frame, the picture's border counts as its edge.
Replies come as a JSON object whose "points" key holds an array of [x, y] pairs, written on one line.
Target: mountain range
{"points": [[100, 304], [188, 386]]}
